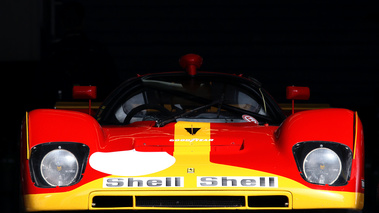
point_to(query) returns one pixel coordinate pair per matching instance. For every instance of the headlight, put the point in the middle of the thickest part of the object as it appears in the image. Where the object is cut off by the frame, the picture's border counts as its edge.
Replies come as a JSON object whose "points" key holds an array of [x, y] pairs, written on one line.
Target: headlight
{"points": [[322, 166], [324, 163], [59, 167], [58, 163]]}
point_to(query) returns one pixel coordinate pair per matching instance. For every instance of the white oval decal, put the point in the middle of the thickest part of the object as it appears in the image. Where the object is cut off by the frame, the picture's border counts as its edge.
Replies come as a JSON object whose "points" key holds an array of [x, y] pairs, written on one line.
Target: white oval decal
{"points": [[130, 162], [250, 118]]}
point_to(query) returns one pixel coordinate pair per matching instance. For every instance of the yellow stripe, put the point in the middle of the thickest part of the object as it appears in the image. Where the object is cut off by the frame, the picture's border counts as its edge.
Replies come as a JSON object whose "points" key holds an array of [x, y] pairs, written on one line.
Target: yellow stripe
{"points": [[77, 105], [299, 106], [193, 147], [191, 151], [356, 133], [27, 135]]}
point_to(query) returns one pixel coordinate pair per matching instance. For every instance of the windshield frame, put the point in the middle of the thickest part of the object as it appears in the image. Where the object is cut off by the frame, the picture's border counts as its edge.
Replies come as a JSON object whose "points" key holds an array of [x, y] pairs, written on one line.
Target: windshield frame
{"points": [[136, 84]]}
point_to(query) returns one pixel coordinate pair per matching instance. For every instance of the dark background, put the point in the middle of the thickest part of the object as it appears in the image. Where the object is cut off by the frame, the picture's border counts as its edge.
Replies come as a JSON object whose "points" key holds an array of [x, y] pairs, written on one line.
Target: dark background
{"points": [[48, 45]]}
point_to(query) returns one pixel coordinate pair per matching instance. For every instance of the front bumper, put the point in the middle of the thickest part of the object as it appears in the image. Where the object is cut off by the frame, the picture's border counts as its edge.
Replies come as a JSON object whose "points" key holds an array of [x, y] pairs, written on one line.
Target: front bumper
{"points": [[80, 199]]}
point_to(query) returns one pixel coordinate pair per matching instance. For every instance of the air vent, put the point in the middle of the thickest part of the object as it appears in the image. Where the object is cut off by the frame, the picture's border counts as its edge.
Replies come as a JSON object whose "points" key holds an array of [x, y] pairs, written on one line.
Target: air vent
{"points": [[268, 201], [112, 201], [190, 201], [258, 202]]}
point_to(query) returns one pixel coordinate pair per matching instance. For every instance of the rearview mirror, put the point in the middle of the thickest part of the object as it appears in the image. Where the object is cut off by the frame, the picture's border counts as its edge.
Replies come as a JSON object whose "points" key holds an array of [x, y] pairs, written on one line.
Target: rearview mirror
{"points": [[84, 92], [298, 93]]}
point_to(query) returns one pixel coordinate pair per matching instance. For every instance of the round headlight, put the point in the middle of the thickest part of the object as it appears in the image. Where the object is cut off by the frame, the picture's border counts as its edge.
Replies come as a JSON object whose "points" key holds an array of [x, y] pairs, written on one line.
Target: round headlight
{"points": [[322, 166], [59, 167]]}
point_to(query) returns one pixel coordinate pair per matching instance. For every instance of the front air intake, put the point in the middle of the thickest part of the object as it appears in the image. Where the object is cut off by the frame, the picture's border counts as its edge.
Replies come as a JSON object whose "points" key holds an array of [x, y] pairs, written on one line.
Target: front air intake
{"points": [[268, 201], [112, 201], [190, 201]]}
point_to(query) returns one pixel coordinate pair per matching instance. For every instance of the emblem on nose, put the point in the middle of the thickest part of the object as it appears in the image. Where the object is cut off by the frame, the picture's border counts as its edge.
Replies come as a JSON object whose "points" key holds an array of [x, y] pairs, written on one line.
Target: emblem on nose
{"points": [[192, 130]]}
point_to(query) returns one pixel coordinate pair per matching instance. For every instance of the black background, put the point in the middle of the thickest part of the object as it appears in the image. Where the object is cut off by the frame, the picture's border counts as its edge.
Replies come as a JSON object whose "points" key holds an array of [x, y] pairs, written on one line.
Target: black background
{"points": [[330, 46]]}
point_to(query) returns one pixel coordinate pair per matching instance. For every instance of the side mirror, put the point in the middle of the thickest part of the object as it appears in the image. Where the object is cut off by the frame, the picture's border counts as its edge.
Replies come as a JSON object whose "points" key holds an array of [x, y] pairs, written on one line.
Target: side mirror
{"points": [[297, 93], [85, 92]]}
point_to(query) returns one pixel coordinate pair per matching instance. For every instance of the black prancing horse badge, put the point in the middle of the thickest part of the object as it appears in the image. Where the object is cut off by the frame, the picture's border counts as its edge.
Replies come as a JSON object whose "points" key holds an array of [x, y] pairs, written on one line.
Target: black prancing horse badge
{"points": [[192, 130]]}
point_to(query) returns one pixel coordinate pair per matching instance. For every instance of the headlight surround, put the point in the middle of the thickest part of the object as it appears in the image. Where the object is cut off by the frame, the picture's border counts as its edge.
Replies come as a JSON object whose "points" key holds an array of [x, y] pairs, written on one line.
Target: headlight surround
{"points": [[58, 163], [323, 163]]}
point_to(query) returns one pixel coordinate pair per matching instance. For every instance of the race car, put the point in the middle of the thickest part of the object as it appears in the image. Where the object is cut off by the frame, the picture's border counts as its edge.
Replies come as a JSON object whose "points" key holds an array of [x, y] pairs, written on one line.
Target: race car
{"points": [[192, 140]]}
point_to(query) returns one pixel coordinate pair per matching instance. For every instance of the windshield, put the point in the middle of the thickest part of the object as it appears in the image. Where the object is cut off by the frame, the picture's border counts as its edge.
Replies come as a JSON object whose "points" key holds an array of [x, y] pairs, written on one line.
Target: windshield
{"points": [[170, 99]]}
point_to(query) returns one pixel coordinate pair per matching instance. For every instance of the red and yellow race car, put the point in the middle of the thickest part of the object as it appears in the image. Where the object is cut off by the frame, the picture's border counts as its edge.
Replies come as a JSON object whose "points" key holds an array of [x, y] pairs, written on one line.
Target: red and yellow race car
{"points": [[192, 140]]}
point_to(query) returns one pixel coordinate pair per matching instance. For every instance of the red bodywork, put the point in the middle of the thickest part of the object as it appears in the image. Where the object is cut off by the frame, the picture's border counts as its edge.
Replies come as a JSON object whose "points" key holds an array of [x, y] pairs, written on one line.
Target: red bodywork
{"points": [[321, 125]]}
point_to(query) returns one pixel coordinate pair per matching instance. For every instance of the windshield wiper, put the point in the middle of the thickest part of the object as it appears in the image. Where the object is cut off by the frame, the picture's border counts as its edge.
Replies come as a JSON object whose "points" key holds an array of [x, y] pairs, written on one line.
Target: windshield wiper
{"points": [[221, 105], [175, 117]]}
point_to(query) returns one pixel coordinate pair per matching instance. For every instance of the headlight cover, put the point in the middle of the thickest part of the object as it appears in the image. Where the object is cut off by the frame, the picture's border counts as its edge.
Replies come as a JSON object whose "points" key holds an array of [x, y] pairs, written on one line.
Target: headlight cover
{"points": [[322, 166], [323, 163], [59, 167], [58, 163]]}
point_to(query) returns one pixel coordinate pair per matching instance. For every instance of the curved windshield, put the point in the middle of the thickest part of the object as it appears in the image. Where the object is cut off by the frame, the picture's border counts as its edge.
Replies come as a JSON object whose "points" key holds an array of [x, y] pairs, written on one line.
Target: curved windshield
{"points": [[166, 100]]}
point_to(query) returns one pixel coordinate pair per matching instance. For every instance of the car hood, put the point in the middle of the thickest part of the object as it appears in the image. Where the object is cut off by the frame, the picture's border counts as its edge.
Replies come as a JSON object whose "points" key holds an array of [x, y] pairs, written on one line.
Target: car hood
{"points": [[143, 149]]}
